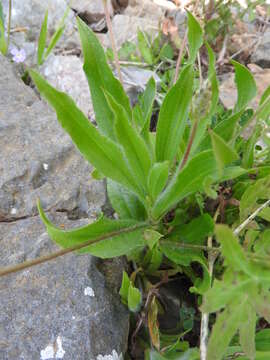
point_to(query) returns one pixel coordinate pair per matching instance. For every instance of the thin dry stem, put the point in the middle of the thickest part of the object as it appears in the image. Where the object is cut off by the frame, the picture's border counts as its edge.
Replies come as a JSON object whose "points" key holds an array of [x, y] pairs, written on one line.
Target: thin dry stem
{"points": [[205, 316], [46, 258], [110, 29], [180, 56]]}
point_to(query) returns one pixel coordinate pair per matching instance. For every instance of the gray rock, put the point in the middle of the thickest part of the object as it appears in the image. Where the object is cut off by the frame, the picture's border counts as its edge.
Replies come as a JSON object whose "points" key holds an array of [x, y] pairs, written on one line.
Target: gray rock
{"points": [[261, 56], [135, 80], [29, 14], [66, 74], [38, 160], [92, 11], [125, 28], [63, 309]]}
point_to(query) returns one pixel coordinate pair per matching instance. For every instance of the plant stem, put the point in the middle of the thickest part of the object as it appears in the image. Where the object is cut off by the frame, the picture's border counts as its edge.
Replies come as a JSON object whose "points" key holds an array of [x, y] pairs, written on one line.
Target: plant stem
{"points": [[30, 263], [180, 55], [189, 145], [9, 22], [250, 218], [110, 29], [205, 316]]}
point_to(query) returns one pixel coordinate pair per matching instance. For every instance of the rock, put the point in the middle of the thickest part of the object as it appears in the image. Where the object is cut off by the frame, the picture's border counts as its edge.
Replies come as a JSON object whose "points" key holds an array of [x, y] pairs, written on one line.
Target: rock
{"points": [[146, 9], [38, 159], [29, 14], [66, 74], [261, 56], [125, 28], [90, 11], [228, 92], [62, 309], [135, 80]]}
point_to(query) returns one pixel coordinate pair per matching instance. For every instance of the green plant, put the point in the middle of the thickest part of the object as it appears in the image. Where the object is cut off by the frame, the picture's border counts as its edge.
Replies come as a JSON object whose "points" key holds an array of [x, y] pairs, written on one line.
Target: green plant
{"points": [[169, 188], [3, 42], [43, 52]]}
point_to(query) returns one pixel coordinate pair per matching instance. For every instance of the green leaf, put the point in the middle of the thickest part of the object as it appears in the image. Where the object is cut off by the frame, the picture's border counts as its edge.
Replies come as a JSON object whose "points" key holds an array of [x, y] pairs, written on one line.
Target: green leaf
{"points": [[185, 257], [119, 240], [173, 116], [54, 40], [231, 249], [261, 303], [196, 231], [249, 148], [212, 77], [42, 39], [100, 151], [151, 237], [223, 292], [100, 78], [124, 288], [262, 340], [57, 35], [134, 298], [225, 327], [259, 190], [246, 86], [152, 260], [265, 96], [125, 203], [134, 147], [158, 178], [195, 37], [265, 214], [3, 43], [247, 332], [145, 48], [188, 181], [223, 152], [147, 102]]}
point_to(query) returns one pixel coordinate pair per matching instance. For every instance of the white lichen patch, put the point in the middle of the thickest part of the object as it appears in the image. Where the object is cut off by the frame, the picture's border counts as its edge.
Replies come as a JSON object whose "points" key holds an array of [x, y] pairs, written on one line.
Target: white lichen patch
{"points": [[45, 166], [53, 351], [112, 356], [13, 211], [88, 291]]}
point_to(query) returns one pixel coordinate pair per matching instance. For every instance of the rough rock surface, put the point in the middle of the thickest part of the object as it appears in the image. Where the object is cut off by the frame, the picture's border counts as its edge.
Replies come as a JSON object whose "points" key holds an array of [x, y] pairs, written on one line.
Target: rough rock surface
{"points": [[262, 54], [66, 74], [38, 158], [29, 15], [63, 309]]}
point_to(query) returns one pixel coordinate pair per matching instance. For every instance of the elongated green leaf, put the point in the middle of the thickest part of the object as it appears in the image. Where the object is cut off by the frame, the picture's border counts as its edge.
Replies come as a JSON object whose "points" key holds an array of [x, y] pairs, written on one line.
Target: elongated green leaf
{"points": [[42, 39], [248, 152], [265, 96], [189, 180], [261, 303], [195, 232], [157, 179], [151, 237], [54, 40], [195, 37], [212, 76], [223, 152], [147, 107], [124, 288], [225, 291], [185, 257], [231, 249], [100, 151], [114, 245], [125, 203], [134, 147], [262, 339], [249, 200], [134, 298], [246, 86], [224, 329], [173, 116], [57, 35], [3, 43], [247, 332], [100, 78], [145, 48]]}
